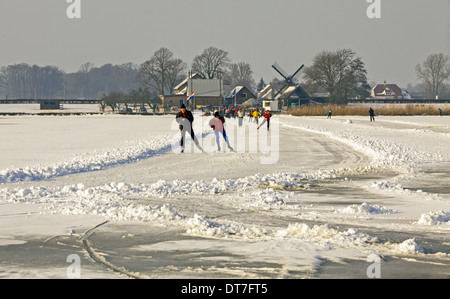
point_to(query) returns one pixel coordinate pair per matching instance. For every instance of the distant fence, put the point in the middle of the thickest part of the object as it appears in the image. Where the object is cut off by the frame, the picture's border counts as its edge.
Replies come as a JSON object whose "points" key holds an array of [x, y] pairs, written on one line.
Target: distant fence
{"points": [[38, 101]]}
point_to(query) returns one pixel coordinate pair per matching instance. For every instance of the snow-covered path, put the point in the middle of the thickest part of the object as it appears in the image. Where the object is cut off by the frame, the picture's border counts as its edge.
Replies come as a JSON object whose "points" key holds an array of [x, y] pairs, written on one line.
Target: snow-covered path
{"points": [[339, 191]]}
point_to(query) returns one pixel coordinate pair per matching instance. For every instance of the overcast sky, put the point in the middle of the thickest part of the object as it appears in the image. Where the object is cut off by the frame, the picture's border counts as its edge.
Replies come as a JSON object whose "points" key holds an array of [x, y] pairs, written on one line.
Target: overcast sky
{"points": [[260, 32]]}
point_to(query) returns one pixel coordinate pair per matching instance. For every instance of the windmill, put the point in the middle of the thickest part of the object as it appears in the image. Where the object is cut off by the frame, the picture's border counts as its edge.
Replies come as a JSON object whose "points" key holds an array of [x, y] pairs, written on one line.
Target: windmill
{"points": [[289, 80]]}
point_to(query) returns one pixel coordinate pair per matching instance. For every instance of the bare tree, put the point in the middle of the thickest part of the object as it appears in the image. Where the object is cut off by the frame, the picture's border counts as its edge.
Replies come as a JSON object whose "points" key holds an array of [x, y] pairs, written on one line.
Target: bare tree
{"points": [[434, 72], [113, 100], [211, 63], [161, 71], [340, 73], [142, 96], [242, 75], [175, 73], [86, 67], [17, 78]]}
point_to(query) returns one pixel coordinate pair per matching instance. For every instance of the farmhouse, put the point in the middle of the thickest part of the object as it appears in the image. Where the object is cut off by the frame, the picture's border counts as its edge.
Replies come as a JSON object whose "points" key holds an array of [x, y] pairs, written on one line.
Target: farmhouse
{"points": [[239, 95], [205, 92], [389, 91]]}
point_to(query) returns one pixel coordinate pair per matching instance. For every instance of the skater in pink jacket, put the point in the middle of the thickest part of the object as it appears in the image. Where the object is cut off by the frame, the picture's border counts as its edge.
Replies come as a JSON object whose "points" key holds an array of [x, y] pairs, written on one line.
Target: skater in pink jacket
{"points": [[217, 125]]}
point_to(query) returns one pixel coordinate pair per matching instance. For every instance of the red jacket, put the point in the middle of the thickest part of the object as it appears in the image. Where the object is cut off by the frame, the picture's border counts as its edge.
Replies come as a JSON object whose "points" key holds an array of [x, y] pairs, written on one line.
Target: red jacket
{"points": [[267, 115]]}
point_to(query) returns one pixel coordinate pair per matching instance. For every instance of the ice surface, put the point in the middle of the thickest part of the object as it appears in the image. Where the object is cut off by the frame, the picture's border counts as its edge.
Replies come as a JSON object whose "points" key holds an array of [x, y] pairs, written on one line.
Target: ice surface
{"points": [[339, 184]]}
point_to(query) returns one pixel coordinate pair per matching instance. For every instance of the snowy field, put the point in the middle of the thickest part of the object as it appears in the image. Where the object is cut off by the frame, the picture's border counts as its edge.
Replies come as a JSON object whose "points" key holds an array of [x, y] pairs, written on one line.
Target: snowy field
{"points": [[313, 198]]}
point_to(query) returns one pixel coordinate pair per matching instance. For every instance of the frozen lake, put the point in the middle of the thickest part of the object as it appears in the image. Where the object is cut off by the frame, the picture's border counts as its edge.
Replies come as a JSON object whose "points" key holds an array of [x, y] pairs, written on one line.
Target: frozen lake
{"points": [[337, 192]]}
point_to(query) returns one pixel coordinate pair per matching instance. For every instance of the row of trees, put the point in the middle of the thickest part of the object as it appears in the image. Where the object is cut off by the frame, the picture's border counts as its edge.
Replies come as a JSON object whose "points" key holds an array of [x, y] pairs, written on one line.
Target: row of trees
{"points": [[163, 71], [23, 81], [340, 73], [139, 98], [160, 74], [343, 75], [92, 82]]}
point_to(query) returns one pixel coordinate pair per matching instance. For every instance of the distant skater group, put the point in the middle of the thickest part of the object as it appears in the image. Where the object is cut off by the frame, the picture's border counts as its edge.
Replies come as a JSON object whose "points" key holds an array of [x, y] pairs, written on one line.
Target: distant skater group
{"points": [[185, 121], [371, 114]]}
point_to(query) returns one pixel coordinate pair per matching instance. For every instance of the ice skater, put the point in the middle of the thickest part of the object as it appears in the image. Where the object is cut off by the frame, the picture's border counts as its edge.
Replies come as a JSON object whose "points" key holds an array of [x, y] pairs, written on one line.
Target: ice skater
{"points": [[241, 117], [256, 115], [329, 113], [217, 124], [267, 117], [185, 119], [440, 111], [372, 114]]}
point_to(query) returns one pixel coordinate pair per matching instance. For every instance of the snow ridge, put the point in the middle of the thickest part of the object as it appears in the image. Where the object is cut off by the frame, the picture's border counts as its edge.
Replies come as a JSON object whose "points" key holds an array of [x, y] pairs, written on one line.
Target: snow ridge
{"points": [[366, 209], [435, 218], [133, 152], [384, 153]]}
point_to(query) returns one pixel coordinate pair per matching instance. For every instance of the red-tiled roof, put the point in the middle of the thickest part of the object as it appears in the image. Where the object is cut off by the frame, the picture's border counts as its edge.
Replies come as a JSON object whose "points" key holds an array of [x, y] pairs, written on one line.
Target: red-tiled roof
{"points": [[386, 89]]}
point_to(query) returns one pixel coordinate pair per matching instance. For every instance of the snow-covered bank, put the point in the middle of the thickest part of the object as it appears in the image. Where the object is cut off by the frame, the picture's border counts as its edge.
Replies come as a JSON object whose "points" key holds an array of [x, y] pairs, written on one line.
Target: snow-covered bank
{"points": [[30, 141], [90, 162], [387, 147]]}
